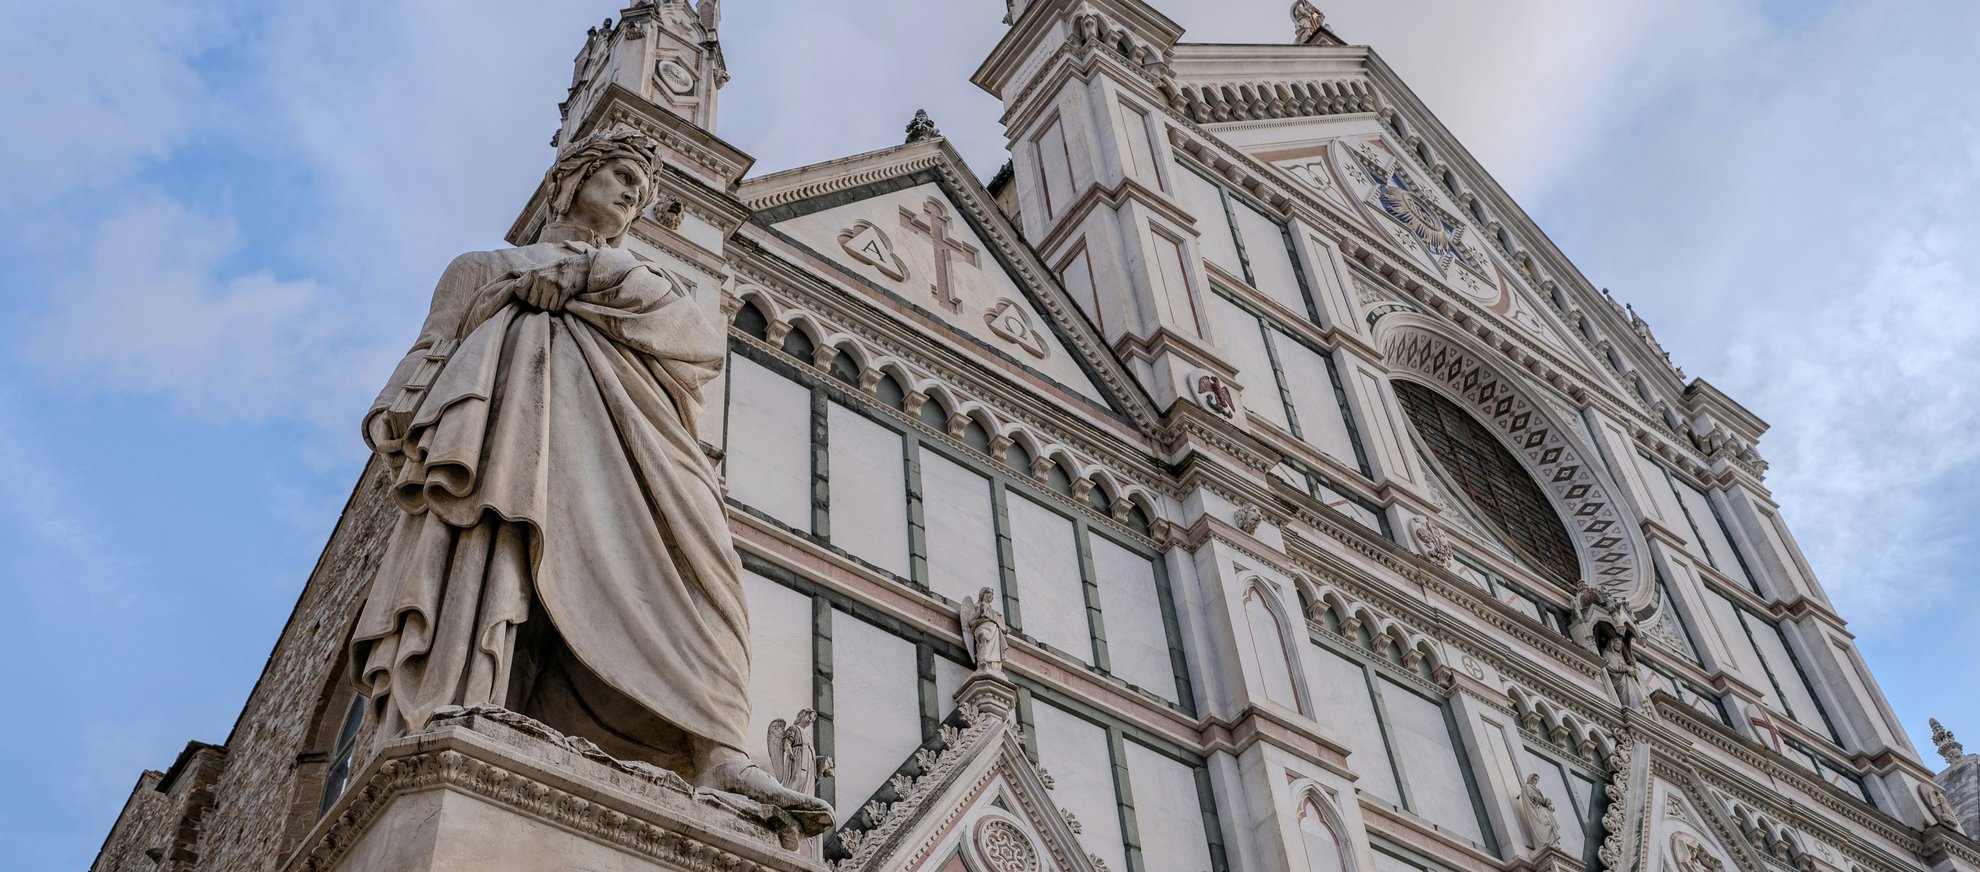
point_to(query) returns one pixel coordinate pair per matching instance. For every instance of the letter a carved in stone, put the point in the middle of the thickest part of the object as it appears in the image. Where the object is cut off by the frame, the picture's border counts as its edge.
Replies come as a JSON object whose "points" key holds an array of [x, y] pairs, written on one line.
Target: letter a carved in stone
{"points": [[869, 245]]}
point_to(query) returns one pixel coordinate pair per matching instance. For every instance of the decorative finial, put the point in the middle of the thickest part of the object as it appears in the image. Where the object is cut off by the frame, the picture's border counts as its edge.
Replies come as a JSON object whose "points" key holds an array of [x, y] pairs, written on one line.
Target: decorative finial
{"points": [[1307, 20], [921, 127], [1949, 747]]}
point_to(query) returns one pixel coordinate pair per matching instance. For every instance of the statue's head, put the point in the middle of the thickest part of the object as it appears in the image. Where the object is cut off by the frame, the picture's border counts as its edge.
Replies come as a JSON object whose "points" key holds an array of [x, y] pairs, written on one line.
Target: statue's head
{"points": [[805, 717], [603, 181]]}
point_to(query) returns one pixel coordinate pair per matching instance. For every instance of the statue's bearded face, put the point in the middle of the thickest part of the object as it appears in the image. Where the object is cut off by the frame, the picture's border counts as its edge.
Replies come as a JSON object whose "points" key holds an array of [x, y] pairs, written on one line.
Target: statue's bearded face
{"points": [[610, 198]]}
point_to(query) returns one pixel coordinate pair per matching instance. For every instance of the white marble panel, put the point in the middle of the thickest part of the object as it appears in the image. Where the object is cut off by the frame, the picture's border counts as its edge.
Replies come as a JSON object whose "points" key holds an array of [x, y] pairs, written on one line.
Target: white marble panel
{"points": [[1239, 334], [1075, 752], [780, 640], [1321, 421], [1166, 812], [1573, 838], [1202, 199], [1052, 597], [1429, 754], [868, 480], [1271, 262], [1767, 637], [961, 528], [876, 706], [769, 450], [1131, 613], [1347, 715]]}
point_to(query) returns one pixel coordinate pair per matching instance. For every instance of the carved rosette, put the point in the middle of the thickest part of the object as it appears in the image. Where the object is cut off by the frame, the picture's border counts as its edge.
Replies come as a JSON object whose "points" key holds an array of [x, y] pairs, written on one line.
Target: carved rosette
{"points": [[1004, 847]]}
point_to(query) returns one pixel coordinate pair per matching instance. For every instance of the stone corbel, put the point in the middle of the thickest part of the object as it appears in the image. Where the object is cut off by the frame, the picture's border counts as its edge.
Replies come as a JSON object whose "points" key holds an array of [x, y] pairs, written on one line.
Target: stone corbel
{"points": [[1041, 467]]}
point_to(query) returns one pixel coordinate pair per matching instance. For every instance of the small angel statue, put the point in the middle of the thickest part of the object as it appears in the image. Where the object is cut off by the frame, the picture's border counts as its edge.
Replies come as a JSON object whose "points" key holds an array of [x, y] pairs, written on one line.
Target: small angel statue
{"points": [[793, 757]]}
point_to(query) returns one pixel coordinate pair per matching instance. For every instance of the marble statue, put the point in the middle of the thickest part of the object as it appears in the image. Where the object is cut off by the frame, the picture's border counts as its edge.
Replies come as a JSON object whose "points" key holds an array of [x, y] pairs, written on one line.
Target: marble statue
{"points": [[793, 757], [1606, 627], [1307, 20], [563, 550], [984, 632], [1538, 813]]}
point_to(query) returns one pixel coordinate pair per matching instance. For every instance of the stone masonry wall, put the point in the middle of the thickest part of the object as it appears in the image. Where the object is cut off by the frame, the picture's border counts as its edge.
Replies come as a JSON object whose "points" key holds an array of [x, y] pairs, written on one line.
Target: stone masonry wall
{"points": [[250, 826], [1961, 782], [140, 827]]}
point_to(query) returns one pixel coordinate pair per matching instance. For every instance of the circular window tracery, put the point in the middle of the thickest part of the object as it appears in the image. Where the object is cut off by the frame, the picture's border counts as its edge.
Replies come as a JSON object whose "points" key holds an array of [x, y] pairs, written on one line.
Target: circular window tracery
{"points": [[1005, 847], [1493, 480]]}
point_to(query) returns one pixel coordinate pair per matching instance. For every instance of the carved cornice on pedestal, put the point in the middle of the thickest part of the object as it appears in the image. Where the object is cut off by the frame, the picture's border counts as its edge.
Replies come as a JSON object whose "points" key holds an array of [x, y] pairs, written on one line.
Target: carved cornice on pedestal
{"points": [[654, 816]]}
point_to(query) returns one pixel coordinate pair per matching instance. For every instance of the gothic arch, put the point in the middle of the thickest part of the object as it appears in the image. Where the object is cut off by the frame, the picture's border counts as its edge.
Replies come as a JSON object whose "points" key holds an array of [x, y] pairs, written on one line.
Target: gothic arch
{"points": [[1127, 502], [1607, 542], [1314, 807], [1280, 628]]}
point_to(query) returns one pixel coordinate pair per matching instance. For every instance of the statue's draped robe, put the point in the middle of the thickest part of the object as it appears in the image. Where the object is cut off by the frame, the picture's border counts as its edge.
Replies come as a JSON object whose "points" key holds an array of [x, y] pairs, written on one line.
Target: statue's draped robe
{"points": [[553, 457]]}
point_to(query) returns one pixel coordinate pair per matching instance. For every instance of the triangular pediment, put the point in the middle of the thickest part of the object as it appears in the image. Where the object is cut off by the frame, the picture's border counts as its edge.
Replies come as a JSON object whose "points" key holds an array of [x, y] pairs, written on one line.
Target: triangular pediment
{"points": [[1365, 173], [912, 231], [1689, 834], [1417, 188], [967, 799]]}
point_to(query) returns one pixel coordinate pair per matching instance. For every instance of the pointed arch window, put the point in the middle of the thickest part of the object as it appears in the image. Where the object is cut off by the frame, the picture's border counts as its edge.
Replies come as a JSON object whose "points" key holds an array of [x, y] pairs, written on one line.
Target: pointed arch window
{"points": [[342, 754], [1268, 644], [1493, 480], [1324, 850]]}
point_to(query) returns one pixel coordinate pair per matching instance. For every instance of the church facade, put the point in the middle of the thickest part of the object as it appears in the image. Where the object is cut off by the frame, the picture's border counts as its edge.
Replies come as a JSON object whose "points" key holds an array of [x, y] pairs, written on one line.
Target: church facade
{"points": [[1238, 481]]}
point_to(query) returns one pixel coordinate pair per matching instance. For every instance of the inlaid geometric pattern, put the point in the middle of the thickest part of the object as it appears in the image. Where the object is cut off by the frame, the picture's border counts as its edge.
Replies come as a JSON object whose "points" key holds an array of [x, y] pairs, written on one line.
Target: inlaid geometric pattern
{"points": [[1555, 464]]}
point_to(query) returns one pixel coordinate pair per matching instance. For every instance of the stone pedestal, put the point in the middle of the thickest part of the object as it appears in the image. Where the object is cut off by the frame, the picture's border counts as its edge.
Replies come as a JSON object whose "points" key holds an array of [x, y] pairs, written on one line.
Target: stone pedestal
{"points": [[1548, 859], [478, 793]]}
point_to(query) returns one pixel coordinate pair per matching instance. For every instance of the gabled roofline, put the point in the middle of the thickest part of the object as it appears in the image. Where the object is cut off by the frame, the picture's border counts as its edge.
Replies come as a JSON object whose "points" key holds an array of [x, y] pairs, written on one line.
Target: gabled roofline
{"points": [[783, 189], [1398, 95]]}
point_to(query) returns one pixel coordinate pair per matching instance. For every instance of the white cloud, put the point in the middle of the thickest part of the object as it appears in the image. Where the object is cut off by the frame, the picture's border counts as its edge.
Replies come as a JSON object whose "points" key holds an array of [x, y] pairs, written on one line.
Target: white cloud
{"points": [[90, 94], [1877, 394], [154, 307], [1803, 241]]}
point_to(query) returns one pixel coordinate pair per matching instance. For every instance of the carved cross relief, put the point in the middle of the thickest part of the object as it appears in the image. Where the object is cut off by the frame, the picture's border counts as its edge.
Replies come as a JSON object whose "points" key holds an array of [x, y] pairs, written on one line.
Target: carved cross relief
{"points": [[933, 223], [1763, 724]]}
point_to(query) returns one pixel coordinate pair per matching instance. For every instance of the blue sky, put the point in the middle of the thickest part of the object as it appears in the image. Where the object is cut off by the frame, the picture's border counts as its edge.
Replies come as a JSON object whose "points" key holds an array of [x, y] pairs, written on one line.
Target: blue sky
{"points": [[224, 220]]}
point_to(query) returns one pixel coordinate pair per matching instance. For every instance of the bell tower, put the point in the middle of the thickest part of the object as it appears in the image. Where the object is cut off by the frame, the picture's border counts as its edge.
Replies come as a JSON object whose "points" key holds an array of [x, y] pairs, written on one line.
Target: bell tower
{"points": [[665, 51]]}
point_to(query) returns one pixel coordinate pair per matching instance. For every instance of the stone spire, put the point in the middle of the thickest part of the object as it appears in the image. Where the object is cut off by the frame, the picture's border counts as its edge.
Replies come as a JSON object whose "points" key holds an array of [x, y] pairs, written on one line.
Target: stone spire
{"points": [[1949, 747], [1956, 799], [665, 51], [922, 127]]}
